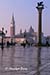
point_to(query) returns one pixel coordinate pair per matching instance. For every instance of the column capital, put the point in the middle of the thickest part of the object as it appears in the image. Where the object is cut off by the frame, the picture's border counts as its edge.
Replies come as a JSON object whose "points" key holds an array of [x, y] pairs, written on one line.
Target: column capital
{"points": [[40, 6]]}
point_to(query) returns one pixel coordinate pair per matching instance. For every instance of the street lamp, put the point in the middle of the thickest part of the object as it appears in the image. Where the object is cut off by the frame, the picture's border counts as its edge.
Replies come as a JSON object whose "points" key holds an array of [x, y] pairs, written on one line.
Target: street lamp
{"points": [[3, 34]]}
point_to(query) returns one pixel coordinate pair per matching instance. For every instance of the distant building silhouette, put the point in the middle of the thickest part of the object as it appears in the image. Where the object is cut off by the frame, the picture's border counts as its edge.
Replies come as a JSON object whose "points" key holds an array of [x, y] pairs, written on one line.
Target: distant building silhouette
{"points": [[12, 27], [30, 36], [31, 30]]}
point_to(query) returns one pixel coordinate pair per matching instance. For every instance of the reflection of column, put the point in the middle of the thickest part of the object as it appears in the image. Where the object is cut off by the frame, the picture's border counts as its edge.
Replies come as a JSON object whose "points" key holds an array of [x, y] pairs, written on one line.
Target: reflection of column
{"points": [[38, 60], [40, 7]]}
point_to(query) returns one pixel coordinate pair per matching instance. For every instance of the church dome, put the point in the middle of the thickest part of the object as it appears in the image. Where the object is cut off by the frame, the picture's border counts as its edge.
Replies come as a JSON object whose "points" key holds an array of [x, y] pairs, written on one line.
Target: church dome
{"points": [[31, 30]]}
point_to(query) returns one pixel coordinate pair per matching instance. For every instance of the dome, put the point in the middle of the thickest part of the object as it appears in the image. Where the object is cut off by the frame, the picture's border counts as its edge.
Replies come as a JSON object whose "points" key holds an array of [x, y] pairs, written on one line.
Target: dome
{"points": [[31, 30]]}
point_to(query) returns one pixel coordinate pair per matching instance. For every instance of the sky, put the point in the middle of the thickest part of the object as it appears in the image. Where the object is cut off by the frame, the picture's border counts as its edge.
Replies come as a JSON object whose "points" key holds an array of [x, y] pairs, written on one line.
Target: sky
{"points": [[25, 14]]}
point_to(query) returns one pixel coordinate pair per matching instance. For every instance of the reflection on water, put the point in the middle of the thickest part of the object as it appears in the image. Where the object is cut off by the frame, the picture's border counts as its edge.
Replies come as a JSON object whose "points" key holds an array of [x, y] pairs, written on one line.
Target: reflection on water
{"points": [[17, 60], [38, 60]]}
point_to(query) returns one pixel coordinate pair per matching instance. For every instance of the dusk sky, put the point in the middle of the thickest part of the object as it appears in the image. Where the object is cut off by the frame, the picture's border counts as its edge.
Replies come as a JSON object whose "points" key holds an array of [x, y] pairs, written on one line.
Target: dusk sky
{"points": [[25, 14]]}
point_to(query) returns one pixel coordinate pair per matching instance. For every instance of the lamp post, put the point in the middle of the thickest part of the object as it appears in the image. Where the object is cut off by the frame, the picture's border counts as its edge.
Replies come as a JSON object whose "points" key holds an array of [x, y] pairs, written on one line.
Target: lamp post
{"points": [[3, 34], [40, 7]]}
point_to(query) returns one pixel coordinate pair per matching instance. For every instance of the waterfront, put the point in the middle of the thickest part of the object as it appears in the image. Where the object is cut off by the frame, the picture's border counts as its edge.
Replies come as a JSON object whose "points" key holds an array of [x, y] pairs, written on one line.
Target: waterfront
{"points": [[17, 60]]}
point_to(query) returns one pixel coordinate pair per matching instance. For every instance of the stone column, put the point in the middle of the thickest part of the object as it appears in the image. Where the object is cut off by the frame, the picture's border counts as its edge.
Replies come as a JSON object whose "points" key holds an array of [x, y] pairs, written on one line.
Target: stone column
{"points": [[40, 7]]}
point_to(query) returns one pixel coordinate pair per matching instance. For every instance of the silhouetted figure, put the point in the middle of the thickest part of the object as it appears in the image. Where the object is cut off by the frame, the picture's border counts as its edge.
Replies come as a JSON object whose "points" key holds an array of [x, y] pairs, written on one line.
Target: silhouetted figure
{"points": [[23, 44], [7, 43], [47, 43], [2, 47], [27, 43]]}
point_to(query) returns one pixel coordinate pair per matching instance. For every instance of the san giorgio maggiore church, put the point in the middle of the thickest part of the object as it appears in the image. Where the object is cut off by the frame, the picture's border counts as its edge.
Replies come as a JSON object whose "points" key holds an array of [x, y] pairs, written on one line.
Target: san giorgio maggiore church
{"points": [[31, 36]]}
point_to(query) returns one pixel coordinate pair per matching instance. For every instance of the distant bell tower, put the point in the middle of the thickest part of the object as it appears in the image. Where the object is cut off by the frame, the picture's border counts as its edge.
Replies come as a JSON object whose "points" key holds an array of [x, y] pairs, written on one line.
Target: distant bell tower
{"points": [[12, 28]]}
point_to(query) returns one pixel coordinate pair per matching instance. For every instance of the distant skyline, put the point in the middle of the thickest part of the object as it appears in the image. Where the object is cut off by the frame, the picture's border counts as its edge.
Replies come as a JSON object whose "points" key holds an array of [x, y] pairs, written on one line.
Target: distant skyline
{"points": [[25, 14]]}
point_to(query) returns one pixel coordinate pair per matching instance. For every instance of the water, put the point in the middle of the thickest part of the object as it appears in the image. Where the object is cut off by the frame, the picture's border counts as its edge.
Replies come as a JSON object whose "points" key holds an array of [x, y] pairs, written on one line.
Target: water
{"points": [[17, 60]]}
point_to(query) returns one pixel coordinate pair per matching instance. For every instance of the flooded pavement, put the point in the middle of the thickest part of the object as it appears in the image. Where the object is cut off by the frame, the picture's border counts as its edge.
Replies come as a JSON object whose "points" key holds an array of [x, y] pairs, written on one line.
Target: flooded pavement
{"points": [[17, 60]]}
